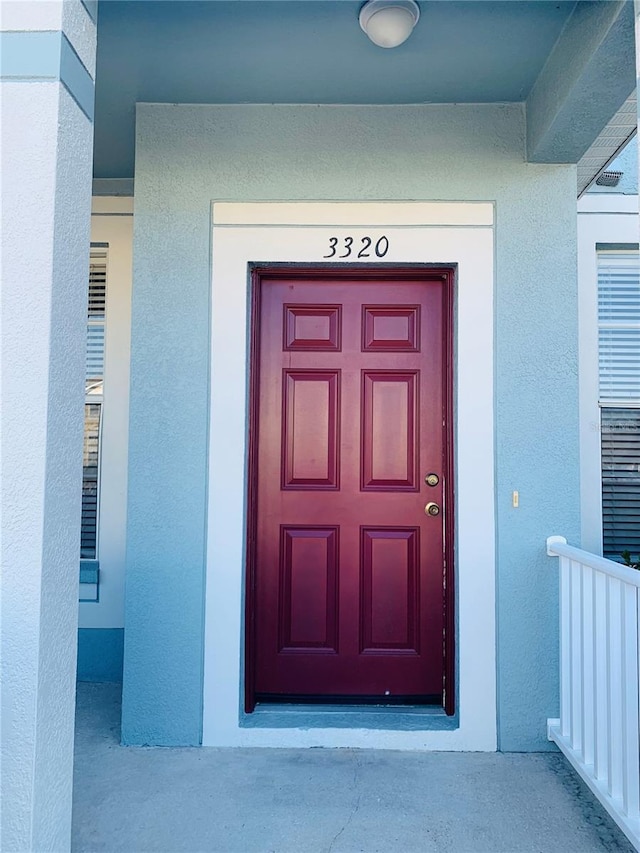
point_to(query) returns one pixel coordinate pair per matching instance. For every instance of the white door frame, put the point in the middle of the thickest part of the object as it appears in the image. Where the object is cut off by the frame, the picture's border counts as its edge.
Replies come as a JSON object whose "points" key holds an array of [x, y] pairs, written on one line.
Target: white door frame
{"points": [[442, 233]]}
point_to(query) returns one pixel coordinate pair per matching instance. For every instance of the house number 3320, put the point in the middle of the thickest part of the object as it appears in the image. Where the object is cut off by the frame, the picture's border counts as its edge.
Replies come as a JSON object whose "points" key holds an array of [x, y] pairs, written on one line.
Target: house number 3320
{"points": [[347, 247]]}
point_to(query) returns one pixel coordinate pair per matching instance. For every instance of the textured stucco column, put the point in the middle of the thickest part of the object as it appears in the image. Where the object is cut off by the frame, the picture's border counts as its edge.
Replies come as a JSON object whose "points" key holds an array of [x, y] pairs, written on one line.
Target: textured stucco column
{"points": [[48, 64]]}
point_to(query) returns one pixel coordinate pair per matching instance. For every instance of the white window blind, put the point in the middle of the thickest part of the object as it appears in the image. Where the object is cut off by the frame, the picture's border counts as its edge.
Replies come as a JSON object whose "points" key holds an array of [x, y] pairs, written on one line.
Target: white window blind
{"points": [[619, 326], [619, 361], [95, 321], [96, 314]]}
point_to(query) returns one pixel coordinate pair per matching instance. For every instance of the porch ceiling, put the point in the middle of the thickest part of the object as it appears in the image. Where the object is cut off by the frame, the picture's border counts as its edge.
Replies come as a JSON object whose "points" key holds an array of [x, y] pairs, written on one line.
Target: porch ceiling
{"points": [[313, 51]]}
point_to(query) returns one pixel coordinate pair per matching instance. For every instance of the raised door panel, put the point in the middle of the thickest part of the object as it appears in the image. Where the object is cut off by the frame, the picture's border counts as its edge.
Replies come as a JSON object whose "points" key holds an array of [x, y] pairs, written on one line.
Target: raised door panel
{"points": [[390, 590], [389, 431], [391, 328], [308, 616], [310, 429], [312, 328]]}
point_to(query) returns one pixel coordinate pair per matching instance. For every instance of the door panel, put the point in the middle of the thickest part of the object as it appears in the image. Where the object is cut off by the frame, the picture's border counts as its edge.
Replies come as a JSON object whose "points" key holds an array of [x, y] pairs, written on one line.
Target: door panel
{"points": [[309, 588], [387, 328], [390, 590], [312, 327], [310, 429], [389, 429], [350, 396]]}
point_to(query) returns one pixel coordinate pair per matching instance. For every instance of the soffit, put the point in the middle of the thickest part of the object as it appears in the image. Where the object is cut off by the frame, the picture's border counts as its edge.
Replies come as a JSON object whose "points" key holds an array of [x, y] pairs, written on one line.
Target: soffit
{"points": [[308, 51], [608, 144]]}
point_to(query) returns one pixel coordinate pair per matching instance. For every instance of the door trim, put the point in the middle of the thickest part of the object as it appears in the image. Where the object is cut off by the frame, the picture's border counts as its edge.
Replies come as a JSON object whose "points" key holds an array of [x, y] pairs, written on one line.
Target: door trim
{"points": [[420, 232], [260, 274]]}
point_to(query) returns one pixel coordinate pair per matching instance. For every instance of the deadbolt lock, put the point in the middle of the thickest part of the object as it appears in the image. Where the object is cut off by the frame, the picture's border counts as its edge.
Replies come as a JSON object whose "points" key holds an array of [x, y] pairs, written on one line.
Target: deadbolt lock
{"points": [[432, 479], [432, 508]]}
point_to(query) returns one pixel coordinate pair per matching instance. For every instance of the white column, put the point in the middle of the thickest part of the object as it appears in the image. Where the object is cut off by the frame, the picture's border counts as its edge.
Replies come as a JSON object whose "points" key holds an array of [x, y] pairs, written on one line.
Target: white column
{"points": [[48, 66]]}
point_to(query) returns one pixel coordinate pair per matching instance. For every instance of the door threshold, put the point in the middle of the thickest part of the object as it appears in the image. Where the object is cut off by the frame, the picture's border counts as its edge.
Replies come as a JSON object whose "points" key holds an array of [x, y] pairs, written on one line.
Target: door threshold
{"points": [[270, 715], [340, 701]]}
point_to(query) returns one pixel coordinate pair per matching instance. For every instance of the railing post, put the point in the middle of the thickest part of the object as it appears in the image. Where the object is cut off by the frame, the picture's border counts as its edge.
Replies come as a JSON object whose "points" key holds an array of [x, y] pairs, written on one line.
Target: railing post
{"points": [[630, 721], [614, 670], [588, 666], [565, 636], [600, 760]]}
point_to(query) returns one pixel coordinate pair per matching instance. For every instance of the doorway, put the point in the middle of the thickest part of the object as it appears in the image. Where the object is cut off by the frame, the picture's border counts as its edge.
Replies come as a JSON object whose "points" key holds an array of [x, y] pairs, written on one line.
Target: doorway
{"points": [[350, 528]]}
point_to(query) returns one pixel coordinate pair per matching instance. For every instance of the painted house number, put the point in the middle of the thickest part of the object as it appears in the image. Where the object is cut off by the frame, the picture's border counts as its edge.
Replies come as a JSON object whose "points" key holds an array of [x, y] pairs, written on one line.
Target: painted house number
{"points": [[345, 248]]}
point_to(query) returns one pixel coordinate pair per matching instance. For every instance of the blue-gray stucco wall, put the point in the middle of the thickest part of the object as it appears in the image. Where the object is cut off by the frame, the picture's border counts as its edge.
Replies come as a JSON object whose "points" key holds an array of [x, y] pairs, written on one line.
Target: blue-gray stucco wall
{"points": [[188, 155], [100, 652]]}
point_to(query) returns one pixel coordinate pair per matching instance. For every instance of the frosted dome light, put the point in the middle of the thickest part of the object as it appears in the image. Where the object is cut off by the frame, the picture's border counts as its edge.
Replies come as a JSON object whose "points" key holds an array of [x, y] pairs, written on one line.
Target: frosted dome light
{"points": [[389, 23]]}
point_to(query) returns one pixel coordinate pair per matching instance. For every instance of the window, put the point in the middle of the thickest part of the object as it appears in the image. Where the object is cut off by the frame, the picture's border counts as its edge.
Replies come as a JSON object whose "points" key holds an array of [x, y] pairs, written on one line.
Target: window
{"points": [[90, 459], [94, 378], [619, 369]]}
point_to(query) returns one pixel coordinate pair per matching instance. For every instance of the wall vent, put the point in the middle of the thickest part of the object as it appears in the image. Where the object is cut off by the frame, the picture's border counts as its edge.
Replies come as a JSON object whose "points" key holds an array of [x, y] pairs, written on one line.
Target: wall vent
{"points": [[608, 179]]}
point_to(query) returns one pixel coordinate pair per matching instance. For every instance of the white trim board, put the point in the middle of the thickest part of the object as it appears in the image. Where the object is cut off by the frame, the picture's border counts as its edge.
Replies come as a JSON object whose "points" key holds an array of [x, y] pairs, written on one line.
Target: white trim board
{"points": [[304, 239], [390, 214], [610, 203]]}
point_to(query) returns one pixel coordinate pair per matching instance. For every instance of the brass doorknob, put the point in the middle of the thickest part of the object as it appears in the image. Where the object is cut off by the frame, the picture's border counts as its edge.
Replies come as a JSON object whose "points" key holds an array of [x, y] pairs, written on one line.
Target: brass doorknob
{"points": [[432, 508], [432, 480]]}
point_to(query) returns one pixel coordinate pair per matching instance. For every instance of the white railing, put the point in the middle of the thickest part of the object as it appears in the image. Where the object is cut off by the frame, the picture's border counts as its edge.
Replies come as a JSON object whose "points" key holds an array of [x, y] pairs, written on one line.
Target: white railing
{"points": [[598, 729]]}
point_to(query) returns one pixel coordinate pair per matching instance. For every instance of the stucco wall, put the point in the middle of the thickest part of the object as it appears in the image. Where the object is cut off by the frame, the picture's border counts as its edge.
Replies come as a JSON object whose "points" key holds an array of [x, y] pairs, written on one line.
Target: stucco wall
{"points": [[187, 156]]}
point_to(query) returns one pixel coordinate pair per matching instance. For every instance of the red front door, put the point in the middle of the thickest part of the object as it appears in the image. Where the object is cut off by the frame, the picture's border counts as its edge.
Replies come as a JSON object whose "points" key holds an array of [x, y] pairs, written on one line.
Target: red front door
{"points": [[351, 389]]}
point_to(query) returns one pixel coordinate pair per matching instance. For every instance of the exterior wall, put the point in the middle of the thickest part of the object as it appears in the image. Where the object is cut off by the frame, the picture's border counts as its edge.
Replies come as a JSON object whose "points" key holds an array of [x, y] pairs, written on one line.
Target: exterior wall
{"points": [[100, 652], [101, 623], [188, 156]]}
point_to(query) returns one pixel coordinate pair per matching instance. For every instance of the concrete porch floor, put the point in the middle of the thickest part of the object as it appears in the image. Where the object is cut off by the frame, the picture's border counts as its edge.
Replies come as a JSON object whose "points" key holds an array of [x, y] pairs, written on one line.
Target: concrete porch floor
{"points": [[321, 800]]}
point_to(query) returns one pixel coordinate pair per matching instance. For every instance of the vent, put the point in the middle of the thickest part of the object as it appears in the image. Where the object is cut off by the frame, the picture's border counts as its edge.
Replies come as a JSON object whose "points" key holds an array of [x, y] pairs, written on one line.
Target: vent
{"points": [[608, 179]]}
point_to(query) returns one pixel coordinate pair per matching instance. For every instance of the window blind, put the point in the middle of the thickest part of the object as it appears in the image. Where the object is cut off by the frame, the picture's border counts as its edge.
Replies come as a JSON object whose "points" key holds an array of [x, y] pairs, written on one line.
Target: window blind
{"points": [[90, 470], [96, 312], [619, 326], [620, 481], [95, 322]]}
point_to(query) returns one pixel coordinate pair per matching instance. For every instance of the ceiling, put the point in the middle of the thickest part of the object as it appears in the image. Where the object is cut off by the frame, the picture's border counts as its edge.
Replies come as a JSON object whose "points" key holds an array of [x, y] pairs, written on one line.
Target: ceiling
{"points": [[307, 51]]}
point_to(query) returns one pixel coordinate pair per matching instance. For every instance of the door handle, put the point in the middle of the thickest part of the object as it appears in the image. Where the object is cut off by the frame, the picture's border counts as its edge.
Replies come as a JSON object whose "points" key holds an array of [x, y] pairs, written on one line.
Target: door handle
{"points": [[432, 508]]}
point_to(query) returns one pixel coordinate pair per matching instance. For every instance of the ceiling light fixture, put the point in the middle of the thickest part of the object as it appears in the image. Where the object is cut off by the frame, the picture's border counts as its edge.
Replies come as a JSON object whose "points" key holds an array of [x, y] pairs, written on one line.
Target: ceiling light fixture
{"points": [[389, 23]]}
